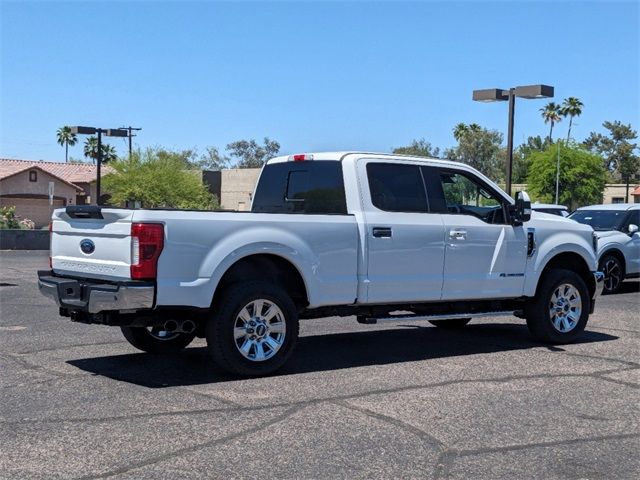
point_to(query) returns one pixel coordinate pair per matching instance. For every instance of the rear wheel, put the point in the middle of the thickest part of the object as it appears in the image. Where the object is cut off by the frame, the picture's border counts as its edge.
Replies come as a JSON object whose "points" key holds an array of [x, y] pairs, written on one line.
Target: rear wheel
{"points": [[253, 330], [156, 340], [613, 273], [560, 310], [450, 324]]}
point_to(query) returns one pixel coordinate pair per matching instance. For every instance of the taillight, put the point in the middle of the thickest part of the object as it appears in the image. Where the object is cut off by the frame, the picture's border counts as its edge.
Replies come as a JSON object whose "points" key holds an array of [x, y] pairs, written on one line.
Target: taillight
{"points": [[50, 243], [147, 240]]}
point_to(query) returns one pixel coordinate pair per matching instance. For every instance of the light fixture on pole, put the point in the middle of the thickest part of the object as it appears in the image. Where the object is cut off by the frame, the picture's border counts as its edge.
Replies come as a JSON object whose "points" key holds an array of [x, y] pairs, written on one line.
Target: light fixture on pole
{"points": [[109, 132], [498, 95]]}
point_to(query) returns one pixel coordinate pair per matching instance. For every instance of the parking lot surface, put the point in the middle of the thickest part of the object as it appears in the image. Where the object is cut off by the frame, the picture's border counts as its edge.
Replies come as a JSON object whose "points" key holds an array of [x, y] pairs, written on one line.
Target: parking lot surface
{"points": [[355, 401]]}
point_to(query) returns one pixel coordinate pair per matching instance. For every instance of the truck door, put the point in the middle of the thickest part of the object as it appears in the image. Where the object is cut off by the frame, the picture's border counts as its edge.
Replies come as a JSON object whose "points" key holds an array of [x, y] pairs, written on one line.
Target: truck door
{"points": [[404, 242], [485, 256]]}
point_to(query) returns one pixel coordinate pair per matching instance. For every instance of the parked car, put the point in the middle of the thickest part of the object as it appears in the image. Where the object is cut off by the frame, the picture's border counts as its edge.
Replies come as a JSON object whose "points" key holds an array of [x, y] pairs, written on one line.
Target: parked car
{"points": [[328, 234], [551, 208], [616, 226]]}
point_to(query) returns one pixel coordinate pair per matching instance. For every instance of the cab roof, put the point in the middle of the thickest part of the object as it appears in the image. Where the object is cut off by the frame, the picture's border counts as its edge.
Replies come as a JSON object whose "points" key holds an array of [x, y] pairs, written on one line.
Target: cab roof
{"points": [[341, 155]]}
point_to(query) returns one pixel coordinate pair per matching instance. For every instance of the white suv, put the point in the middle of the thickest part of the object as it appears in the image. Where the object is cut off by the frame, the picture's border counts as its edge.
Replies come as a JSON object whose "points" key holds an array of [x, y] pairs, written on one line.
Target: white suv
{"points": [[616, 227]]}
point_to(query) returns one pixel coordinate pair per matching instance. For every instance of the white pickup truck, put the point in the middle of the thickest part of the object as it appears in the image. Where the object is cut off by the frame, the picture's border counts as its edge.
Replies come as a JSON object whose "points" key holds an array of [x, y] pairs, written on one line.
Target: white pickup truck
{"points": [[341, 234]]}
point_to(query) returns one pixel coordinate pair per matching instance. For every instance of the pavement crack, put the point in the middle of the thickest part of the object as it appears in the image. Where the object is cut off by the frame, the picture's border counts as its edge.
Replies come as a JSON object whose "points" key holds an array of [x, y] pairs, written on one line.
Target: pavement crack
{"points": [[444, 462], [66, 347], [527, 446], [30, 366], [407, 427], [606, 359], [213, 396], [192, 448]]}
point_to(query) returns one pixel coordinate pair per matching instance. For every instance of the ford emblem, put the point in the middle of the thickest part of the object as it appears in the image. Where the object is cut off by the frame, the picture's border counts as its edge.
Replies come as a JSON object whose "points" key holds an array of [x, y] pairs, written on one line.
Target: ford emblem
{"points": [[87, 246]]}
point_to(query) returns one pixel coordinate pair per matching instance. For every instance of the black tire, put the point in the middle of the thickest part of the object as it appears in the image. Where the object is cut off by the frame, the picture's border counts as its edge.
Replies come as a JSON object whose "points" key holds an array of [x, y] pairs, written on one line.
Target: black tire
{"points": [[613, 271], [538, 310], [221, 327], [453, 324], [145, 340]]}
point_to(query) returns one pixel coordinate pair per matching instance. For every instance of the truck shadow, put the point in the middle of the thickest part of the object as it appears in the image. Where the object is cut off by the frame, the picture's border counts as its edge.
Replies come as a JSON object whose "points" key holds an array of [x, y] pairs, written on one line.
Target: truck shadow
{"points": [[327, 352]]}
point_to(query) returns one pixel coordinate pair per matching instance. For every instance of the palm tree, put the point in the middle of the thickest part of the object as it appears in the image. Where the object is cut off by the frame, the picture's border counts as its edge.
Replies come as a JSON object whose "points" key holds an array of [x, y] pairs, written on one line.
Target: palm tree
{"points": [[66, 138], [91, 150], [459, 130], [108, 153], [551, 114], [571, 107]]}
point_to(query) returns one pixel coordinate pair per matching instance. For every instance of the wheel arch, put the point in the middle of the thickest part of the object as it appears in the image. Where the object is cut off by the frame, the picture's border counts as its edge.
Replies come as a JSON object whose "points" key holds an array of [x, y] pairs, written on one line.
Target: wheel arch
{"points": [[266, 266], [570, 261]]}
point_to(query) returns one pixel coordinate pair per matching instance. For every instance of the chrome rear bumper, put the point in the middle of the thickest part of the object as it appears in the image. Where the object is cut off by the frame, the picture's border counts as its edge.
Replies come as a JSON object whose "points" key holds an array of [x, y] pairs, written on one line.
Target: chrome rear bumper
{"points": [[95, 297]]}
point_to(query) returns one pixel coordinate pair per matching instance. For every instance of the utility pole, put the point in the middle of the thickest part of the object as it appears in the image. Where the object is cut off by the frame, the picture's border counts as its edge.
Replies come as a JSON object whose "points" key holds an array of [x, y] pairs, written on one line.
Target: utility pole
{"points": [[131, 129]]}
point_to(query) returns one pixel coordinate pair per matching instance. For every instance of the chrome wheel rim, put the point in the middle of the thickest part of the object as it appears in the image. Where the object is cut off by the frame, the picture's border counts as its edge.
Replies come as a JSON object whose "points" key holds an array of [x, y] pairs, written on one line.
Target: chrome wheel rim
{"points": [[565, 308], [159, 334], [612, 274], [259, 330]]}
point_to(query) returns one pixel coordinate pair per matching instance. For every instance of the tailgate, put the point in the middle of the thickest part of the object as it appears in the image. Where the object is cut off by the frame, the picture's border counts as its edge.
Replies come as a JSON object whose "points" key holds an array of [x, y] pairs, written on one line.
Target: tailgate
{"points": [[92, 242]]}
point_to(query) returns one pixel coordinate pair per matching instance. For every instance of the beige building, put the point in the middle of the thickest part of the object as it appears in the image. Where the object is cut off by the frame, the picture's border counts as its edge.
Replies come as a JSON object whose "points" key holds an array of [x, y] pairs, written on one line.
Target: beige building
{"points": [[26, 185], [236, 188]]}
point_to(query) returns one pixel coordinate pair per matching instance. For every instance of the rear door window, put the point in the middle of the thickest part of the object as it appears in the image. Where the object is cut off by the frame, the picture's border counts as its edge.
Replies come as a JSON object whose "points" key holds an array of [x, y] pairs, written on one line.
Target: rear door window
{"points": [[397, 187], [314, 187]]}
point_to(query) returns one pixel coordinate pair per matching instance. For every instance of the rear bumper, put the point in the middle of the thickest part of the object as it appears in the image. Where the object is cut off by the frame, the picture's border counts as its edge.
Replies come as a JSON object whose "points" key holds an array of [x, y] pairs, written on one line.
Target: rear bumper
{"points": [[95, 297]]}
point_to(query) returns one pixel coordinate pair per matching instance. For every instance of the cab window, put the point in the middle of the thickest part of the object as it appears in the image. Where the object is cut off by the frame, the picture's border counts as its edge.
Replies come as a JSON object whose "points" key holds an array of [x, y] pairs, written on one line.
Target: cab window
{"points": [[463, 195]]}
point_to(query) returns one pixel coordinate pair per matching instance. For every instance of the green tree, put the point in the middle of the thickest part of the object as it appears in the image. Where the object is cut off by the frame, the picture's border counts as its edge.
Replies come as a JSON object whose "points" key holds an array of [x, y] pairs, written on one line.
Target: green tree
{"points": [[158, 178], [8, 218], [91, 150], [66, 138], [551, 114], [480, 148], [418, 148], [582, 176], [618, 150], [522, 157], [571, 107], [212, 159], [252, 155]]}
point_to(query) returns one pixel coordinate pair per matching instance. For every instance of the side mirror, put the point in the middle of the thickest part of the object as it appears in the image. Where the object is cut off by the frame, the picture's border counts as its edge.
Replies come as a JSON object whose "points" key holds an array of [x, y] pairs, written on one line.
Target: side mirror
{"points": [[632, 229], [522, 209]]}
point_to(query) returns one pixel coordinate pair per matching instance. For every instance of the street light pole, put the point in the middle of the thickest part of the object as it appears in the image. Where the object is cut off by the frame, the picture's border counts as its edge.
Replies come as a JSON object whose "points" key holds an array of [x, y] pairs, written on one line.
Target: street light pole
{"points": [[109, 132], [512, 107], [558, 173], [99, 163], [499, 94]]}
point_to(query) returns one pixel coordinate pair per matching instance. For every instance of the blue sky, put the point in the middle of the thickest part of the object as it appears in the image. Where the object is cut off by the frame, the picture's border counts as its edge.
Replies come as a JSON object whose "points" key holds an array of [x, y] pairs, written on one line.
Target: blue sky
{"points": [[312, 75]]}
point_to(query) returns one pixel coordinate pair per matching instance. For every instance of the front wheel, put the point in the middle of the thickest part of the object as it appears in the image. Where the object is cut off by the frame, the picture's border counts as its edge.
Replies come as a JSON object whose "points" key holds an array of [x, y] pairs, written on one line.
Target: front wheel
{"points": [[560, 310], [253, 330], [613, 273], [156, 340]]}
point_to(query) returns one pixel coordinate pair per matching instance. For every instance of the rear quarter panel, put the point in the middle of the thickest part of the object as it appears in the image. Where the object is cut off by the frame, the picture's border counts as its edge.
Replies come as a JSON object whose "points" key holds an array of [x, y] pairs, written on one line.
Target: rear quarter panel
{"points": [[201, 246]]}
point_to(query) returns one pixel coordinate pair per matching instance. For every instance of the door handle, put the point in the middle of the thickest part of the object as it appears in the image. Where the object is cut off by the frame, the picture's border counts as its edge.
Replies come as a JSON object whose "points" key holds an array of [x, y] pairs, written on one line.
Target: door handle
{"points": [[458, 234], [382, 232]]}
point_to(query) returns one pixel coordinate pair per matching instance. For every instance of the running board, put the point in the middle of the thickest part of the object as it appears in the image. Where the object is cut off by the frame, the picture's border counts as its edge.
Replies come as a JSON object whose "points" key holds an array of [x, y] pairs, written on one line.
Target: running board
{"points": [[449, 316]]}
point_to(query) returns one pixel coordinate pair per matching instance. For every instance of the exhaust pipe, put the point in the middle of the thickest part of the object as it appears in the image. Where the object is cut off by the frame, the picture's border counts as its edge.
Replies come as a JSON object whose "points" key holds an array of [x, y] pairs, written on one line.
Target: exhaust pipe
{"points": [[188, 326], [179, 326], [170, 326]]}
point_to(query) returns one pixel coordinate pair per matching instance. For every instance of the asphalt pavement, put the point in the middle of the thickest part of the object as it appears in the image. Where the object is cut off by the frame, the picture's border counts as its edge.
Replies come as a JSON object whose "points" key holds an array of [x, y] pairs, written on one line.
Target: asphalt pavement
{"points": [[355, 401]]}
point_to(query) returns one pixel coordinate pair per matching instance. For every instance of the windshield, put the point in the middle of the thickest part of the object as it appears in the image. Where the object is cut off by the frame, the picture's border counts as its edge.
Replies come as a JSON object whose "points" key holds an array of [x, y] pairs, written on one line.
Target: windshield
{"points": [[600, 219]]}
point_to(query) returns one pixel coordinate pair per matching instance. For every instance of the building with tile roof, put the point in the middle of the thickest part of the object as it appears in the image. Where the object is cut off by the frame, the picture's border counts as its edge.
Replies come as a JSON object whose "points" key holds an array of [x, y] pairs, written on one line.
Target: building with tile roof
{"points": [[26, 184]]}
